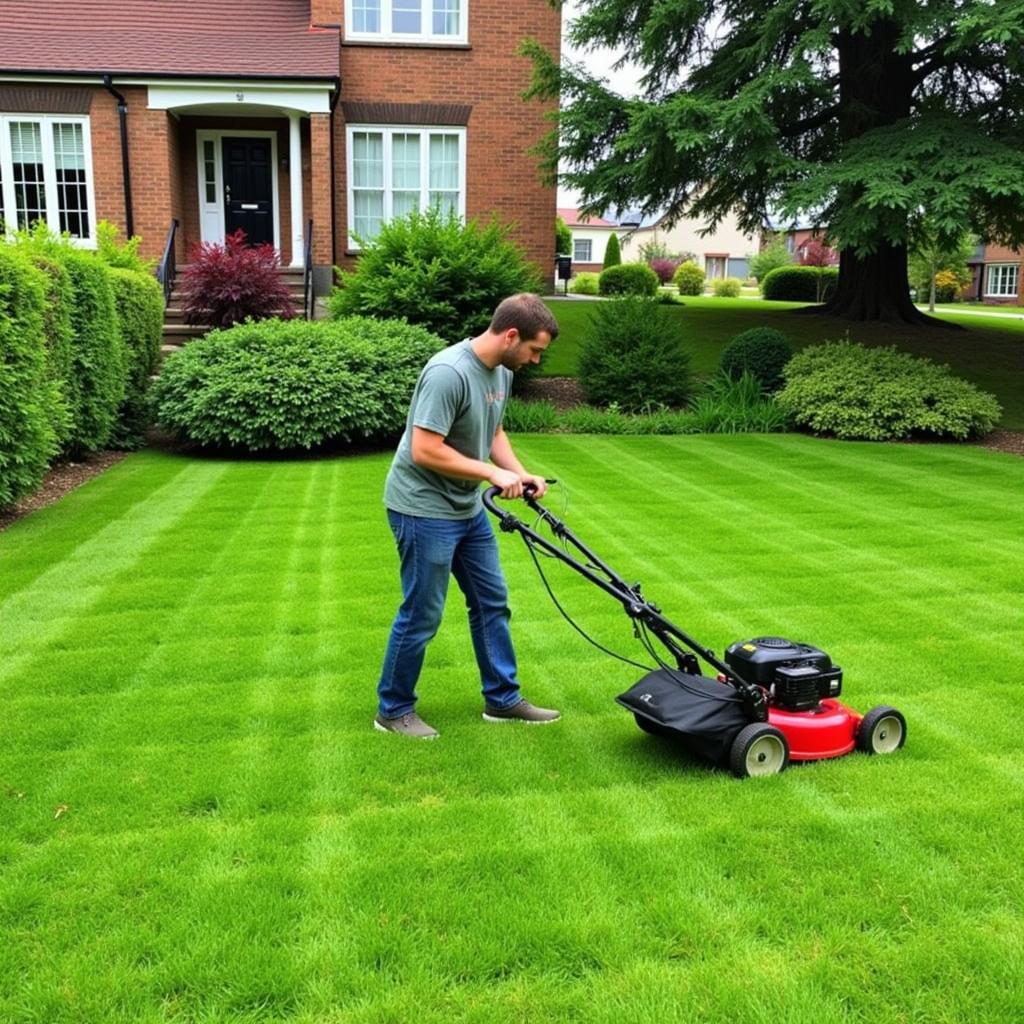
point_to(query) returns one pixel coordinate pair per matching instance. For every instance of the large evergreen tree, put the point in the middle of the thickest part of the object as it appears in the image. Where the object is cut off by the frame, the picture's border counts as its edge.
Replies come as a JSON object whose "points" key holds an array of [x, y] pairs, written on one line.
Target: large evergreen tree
{"points": [[869, 114]]}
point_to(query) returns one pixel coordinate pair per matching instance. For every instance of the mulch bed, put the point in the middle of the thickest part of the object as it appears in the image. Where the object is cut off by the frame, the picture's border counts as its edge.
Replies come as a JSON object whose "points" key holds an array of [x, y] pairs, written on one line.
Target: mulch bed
{"points": [[562, 392]]}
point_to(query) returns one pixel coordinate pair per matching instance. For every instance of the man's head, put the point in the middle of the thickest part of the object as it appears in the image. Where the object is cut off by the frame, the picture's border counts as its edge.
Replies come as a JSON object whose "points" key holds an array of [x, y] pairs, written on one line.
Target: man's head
{"points": [[526, 327]]}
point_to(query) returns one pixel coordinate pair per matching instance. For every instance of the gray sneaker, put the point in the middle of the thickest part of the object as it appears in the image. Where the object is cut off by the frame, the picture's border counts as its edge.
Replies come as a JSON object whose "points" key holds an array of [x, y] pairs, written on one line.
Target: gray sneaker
{"points": [[409, 724], [524, 711]]}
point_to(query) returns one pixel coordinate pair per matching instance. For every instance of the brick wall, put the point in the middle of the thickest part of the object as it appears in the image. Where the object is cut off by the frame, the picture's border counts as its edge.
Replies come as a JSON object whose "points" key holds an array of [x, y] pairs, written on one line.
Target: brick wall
{"points": [[1002, 254]]}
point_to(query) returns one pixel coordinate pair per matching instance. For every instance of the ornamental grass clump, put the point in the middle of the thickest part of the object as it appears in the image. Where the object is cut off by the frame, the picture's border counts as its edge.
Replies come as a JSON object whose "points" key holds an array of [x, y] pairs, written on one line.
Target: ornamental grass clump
{"points": [[881, 394], [226, 284], [295, 384]]}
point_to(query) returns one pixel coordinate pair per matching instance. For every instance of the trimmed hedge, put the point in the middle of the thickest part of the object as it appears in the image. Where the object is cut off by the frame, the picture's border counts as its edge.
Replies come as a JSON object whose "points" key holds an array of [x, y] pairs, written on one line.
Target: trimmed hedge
{"points": [[59, 338], [28, 393], [880, 394], [584, 283], [761, 351], [632, 355], [293, 384], [800, 284], [628, 279], [689, 279], [140, 311], [726, 287]]}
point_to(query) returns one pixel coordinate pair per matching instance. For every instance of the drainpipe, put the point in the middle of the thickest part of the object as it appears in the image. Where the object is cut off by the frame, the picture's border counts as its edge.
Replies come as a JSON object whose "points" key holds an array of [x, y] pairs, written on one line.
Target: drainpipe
{"points": [[122, 110], [334, 184]]}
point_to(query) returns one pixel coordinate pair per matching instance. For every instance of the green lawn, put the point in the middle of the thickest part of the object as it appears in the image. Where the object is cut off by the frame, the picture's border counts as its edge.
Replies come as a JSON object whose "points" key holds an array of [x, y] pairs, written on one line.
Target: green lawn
{"points": [[198, 823], [989, 352]]}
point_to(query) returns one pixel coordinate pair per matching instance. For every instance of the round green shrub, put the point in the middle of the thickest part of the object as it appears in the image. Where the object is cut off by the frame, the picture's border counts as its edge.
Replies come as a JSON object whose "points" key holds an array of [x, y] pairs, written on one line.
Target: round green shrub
{"points": [[436, 272], [632, 355], [761, 351], [584, 283], [881, 394], [689, 279], [628, 279], [293, 384], [140, 312], [726, 287], [28, 394], [799, 284]]}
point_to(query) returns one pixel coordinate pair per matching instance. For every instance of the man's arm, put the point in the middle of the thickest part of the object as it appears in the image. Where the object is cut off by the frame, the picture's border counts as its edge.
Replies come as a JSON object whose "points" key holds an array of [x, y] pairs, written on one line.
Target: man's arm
{"points": [[430, 451]]}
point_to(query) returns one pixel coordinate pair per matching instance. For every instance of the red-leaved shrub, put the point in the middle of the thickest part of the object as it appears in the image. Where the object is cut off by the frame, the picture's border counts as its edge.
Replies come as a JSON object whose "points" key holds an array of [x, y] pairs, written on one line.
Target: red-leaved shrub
{"points": [[225, 284], [665, 269]]}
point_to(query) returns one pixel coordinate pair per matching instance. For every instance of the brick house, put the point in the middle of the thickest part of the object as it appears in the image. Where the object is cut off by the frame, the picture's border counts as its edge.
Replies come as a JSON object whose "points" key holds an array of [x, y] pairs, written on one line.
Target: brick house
{"points": [[268, 115], [589, 238]]}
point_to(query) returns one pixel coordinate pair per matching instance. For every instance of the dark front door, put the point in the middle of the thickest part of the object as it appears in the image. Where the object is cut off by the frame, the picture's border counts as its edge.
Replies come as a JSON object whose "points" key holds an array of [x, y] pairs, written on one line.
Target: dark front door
{"points": [[249, 189]]}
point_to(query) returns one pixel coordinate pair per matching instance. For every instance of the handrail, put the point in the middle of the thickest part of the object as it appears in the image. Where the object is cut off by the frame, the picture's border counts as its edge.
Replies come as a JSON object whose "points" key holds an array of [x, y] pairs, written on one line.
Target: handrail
{"points": [[307, 274], [166, 270]]}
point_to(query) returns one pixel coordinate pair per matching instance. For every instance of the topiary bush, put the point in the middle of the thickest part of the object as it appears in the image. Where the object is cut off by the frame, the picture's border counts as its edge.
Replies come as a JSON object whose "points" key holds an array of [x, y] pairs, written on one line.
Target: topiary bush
{"points": [[628, 279], [436, 272], [584, 283], [881, 394], [612, 252], [799, 284], [226, 284], [293, 384], [726, 287], [689, 279], [139, 301], [632, 354], [28, 394], [761, 351]]}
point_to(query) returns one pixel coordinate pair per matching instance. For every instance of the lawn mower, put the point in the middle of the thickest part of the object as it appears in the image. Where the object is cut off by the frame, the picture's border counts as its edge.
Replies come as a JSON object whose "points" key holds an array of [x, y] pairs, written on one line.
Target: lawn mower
{"points": [[770, 701]]}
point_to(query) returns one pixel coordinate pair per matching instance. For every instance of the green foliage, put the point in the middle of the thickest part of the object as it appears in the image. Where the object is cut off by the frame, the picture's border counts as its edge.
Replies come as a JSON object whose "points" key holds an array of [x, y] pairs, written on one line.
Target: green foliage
{"points": [[293, 384], [928, 259], [689, 279], [632, 354], [28, 394], [628, 279], [738, 406], [763, 352], [612, 252], [585, 419], [586, 282], [523, 417], [799, 284], [726, 287], [774, 254], [139, 302], [881, 394], [114, 253], [436, 272], [563, 237]]}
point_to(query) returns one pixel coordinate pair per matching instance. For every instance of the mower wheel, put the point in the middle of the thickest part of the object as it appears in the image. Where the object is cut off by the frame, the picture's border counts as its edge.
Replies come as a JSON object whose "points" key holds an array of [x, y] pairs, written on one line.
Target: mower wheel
{"points": [[758, 749], [883, 730]]}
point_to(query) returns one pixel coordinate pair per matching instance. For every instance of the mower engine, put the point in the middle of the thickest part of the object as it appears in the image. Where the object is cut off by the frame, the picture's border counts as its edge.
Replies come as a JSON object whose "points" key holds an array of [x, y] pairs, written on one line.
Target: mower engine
{"points": [[797, 676]]}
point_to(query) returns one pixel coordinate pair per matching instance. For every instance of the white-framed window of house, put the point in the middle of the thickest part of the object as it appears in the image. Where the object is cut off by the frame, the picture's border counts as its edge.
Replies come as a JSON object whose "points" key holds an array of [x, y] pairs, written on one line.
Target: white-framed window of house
{"points": [[394, 170], [714, 266], [582, 250], [46, 174], [1001, 280], [407, 21]]}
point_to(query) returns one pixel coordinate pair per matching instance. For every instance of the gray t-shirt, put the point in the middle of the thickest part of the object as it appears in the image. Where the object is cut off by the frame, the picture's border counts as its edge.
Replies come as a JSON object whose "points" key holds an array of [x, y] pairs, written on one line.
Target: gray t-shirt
{"points": [[459, 397]]}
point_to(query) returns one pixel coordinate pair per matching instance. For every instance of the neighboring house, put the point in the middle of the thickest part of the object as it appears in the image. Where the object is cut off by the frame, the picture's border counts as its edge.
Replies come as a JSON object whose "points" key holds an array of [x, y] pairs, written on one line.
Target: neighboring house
{"points": [[589, 238], [722, 253], [797, 235], [997, 272], [268, 115]]}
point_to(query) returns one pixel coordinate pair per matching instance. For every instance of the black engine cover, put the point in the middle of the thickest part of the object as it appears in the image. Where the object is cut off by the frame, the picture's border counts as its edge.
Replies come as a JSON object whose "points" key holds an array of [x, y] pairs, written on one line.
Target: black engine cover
{"points": [[796, 675]]}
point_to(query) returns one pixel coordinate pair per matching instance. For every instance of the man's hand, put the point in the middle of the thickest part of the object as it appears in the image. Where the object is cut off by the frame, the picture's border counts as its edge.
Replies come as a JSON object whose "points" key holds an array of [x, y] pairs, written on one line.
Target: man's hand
{"points": [[538, 483], [511, 484]]}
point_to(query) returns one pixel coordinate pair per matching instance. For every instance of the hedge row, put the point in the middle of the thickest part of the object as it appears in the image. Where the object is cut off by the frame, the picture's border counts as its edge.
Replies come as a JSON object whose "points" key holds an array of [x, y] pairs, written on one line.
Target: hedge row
{"points": [[78, 342]]}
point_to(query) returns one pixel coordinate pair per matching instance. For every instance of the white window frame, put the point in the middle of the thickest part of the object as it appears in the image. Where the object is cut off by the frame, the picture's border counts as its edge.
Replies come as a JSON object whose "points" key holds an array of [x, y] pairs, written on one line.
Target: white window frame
{"points": [[590, 251], [386, 34], [8, 204], [388, 130], [1001, 293]]}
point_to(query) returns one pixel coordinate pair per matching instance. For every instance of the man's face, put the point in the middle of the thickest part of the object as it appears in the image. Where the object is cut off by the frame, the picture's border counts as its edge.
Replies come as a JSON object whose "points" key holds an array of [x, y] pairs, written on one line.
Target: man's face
{"points": [[520, 352]]}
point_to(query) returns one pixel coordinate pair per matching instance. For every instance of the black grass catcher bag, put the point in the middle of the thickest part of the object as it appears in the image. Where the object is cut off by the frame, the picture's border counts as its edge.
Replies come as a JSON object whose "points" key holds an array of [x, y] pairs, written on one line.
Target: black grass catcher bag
{"points": [[700, 713]]}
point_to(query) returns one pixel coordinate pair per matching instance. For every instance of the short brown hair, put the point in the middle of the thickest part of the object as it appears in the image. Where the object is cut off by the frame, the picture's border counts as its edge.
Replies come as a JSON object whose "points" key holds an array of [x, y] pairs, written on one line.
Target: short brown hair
{"points": [[525, 312]]}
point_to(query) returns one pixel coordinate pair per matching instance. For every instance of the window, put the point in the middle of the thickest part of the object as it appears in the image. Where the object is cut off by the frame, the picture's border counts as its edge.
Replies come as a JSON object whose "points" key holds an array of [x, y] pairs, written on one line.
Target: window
{"points": [[714, 266], [582, 250], [46, 173], [398, 21], [393, 171], [1002, 280]]}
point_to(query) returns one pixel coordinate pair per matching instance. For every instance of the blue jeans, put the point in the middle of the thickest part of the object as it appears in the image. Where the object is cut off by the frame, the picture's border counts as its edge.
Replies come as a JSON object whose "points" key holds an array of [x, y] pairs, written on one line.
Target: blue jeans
{"points": [[432, 550]]}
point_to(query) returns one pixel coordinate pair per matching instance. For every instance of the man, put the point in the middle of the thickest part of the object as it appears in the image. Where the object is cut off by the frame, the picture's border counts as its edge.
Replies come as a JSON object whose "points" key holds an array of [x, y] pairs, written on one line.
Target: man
{"points": [[453, 441]]}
